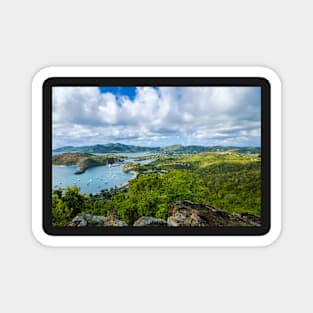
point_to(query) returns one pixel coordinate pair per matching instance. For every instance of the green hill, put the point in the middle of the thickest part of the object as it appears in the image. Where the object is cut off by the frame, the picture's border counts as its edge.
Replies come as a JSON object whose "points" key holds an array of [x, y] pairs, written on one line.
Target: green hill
{"points": [[179, 149], [85, 160]]}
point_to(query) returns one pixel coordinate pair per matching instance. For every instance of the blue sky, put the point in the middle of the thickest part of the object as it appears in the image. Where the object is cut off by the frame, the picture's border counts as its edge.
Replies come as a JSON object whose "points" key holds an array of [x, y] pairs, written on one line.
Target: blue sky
{"points": [[129, 92], [156, 116]]}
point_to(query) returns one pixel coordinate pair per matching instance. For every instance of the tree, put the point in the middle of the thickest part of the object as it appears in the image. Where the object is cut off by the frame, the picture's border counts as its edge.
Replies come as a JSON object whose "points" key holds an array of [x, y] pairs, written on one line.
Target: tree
{"points": [[74, 200]]}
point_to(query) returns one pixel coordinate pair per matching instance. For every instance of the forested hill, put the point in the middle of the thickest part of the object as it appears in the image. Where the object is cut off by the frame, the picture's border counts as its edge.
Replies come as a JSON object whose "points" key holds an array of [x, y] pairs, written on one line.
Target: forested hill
{"points": [[85, 160], [122, 148], [198, 149], [107, 148]]}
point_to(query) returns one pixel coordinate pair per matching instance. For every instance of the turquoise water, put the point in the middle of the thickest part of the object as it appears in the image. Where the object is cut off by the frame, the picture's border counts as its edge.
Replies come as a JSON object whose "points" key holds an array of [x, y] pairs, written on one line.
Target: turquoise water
{"points": [[94, 179]]}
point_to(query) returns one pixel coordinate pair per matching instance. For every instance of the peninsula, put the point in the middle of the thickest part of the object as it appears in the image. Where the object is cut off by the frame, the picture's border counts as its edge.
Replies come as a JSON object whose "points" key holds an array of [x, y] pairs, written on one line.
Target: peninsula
{"points": [[85, 160]]}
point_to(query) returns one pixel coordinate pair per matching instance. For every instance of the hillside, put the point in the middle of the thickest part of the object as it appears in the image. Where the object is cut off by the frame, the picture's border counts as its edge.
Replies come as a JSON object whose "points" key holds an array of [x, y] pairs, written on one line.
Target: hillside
{"points": [[177, 149], [107, 148], [85, 160], [228, 182]]}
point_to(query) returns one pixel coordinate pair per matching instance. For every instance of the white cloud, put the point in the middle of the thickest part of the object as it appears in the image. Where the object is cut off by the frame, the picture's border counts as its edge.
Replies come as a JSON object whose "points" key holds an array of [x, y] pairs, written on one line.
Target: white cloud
{"points": [[164, 115]]}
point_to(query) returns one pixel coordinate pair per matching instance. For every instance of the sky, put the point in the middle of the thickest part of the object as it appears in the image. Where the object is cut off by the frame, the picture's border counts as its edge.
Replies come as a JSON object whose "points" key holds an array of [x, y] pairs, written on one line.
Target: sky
{"points": [[156, 116]]}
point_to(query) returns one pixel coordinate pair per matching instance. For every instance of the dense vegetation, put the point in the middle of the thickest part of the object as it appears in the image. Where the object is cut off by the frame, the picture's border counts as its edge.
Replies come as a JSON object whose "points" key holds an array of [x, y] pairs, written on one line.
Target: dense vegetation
{"points": [[231, 182]]}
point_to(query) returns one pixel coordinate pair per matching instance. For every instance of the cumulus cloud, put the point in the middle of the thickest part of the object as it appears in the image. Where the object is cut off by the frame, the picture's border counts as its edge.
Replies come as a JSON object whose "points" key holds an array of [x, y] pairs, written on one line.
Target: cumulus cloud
{"points": [[157, 116]]}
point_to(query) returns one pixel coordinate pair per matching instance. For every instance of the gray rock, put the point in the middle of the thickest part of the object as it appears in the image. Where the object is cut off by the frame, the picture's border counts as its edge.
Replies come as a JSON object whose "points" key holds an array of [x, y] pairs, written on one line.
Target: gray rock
{"points": [[78, 221], [112, 221], [96, 221], [88, 217], [149, 221]]}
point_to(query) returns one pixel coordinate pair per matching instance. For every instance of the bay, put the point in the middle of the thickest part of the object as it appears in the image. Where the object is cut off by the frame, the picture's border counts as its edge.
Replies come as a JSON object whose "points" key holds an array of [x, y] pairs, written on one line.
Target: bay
{"points": [[94, 179]]}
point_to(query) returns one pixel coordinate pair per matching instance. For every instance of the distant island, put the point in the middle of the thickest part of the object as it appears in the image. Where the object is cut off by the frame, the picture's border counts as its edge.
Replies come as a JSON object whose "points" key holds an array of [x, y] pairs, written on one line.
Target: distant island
{"points": [[177, 149]]}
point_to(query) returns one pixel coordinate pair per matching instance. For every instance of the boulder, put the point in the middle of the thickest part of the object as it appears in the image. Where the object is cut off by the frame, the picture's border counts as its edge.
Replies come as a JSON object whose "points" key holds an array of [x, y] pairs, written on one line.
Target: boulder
{"points": [[89, 220], [78, 221], [150, 221], [96, 220], [187, 213], [113, 221]]}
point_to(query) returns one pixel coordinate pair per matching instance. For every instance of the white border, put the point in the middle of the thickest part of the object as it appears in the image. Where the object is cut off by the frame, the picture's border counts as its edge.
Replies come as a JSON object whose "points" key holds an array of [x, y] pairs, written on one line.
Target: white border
{"points": [[156, 241]]}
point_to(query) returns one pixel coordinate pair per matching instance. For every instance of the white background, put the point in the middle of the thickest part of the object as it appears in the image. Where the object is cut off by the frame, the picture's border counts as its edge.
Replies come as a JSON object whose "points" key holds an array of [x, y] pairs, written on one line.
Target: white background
{"points": [[35, 34]]}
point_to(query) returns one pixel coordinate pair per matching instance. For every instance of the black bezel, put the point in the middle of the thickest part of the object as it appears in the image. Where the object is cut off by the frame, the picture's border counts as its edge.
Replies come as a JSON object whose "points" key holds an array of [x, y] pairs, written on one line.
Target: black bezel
{"points": [[156, 81]]}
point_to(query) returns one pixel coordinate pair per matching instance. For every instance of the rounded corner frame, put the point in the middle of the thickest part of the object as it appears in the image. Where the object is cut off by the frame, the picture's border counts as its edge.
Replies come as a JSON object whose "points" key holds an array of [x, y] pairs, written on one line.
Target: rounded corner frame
{"points": [[157, 241]]}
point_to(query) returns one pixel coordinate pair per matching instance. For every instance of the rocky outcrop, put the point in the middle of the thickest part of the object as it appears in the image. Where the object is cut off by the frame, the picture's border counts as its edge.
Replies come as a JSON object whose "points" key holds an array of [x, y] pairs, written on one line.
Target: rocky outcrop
{"points": [[181, 213], [187, 213], [96, 220], [149, 221]]}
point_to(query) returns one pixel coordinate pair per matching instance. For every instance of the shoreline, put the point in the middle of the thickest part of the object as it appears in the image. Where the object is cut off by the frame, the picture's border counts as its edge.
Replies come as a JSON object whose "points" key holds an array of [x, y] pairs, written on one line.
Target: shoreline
{"points": [[135, 174]]}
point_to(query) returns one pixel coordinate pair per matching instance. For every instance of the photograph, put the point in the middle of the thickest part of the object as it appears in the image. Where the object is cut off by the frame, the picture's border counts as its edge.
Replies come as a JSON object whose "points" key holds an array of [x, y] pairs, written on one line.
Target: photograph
{"points": [[162, 156]]}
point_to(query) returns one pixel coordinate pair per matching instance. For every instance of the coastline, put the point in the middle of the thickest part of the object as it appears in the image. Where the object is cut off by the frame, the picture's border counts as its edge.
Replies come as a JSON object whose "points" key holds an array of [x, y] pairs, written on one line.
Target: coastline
{"points": [[134, 173]]}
